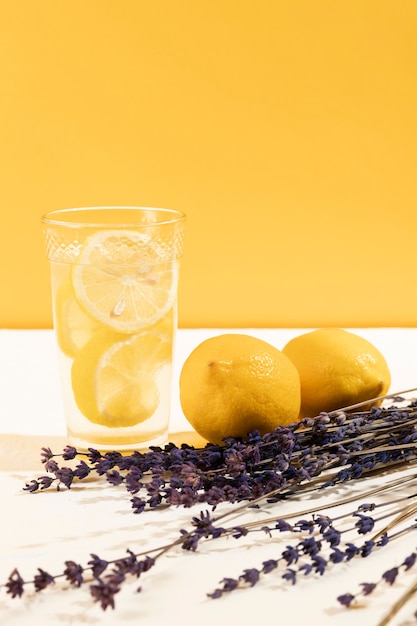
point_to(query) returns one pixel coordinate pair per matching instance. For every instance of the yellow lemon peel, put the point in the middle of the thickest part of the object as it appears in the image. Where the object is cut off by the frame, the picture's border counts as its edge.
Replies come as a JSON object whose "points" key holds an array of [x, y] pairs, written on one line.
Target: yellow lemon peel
{"points": [[233, 384], [337, 368]]}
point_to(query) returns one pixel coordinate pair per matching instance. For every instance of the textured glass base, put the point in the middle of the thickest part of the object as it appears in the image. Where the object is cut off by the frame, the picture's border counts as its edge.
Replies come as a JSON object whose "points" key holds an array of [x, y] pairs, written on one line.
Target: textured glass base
{"points": [[115, 445]]}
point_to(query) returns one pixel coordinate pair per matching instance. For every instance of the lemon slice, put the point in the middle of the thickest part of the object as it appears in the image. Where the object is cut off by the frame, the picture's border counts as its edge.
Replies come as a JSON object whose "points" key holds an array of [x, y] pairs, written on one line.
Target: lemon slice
{"points": [[114, 378], [122, 280], [73, 326]]}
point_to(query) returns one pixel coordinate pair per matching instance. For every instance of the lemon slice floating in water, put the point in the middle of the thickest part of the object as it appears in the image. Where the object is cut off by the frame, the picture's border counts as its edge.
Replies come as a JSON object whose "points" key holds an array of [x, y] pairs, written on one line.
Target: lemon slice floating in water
{"points": [[123, 280], [73, 326], [114, 377]]}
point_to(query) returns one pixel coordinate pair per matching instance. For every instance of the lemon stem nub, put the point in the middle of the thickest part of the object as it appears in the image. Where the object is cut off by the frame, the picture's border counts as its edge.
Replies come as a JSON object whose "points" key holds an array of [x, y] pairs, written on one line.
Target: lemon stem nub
{"points": [[222, 366]]}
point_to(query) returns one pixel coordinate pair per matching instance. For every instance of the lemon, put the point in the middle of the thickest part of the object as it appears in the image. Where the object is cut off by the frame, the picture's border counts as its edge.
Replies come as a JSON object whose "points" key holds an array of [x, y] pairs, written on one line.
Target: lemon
{"points": [[337, 368], [120, 280], [233, 384], [73, 326], [114, 377]]}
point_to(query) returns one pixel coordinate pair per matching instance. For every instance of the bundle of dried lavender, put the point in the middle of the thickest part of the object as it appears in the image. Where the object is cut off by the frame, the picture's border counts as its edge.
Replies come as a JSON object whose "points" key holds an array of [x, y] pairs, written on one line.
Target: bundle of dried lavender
{"points": [[312, 455]]}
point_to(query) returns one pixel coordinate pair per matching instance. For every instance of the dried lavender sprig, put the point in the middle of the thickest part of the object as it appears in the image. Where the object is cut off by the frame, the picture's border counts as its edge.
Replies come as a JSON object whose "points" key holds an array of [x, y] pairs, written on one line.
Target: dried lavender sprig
{"points": [[104, 589], [301, 430], [388, 577], [382, 489], [231, 463], [104, 586], [239, 466], [398, 605], [330, 534]]}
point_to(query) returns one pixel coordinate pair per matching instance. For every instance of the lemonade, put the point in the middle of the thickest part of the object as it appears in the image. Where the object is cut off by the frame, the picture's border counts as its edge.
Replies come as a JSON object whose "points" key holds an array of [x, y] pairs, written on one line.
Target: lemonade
{"points": [[114, 280]]}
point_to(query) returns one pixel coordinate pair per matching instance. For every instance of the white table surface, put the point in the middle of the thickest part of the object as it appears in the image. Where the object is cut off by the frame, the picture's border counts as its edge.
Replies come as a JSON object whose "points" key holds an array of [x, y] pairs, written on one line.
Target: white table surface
{"points": [[45, 529]]}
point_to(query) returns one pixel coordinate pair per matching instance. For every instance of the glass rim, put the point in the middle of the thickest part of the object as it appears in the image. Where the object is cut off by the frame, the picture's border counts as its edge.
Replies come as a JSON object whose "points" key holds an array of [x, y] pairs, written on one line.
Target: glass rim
{"points": [[57, 217]]}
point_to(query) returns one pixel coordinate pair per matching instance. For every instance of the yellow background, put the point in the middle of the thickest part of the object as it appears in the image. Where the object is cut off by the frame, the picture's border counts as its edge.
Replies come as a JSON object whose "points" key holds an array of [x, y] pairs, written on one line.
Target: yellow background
{"points": [[286, 130]]}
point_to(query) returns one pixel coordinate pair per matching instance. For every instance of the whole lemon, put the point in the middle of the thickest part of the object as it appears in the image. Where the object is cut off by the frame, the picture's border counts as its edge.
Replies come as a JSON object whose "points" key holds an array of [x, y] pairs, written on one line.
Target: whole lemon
{"points": [[337, 368], [233, 384]]}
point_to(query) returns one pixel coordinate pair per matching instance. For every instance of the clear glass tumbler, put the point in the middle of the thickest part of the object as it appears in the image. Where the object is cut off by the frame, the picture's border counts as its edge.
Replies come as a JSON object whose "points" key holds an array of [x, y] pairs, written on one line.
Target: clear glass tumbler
{"points": [[114, 282]]}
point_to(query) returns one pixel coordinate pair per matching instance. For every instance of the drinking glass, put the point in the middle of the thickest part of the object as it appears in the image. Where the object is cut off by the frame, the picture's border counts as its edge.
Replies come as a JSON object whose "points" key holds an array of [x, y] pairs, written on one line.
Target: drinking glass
{"points": [[114, 283]]}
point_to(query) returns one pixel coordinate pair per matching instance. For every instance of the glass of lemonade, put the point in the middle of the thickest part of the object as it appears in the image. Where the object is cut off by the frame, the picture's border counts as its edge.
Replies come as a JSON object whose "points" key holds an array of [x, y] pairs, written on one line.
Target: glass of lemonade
{"points": [[114, 282]]}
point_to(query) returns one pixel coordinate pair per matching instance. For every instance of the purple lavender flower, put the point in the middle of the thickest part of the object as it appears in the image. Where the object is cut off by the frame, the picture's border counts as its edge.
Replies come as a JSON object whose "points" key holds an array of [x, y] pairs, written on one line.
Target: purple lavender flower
{"points": [[229, 584], [204, 526], [97, 565], [15, 584], [304, 525], [138, 504], [190, 541], [351, 551], [82, 470], [290, 575], [346, 599], [336, 556], [367, 548], [409, 561], [42, 580], [66, 476], [250, 576], [51, 466], [46, 481], [73, 572], [269, 565], [290, 555], [322, 522], [108, 462], [319, 564], [32, 486], [94, 455], [310, 546], [367, 506], [368, 588], [282, 525], [133, 480], [390, 575], [214, 595], [365, 523], [103, 593], [239, 531], [332, 536], [145, 565], [384, 539], [69, 453], [234, 461], [46, 455], [114, 478]]}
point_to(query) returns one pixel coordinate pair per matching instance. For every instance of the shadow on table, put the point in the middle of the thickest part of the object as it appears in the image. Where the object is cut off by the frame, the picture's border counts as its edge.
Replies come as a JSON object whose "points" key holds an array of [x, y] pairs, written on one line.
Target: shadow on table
{"points": [[23, 452]]}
